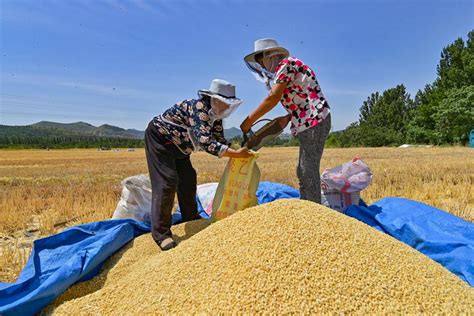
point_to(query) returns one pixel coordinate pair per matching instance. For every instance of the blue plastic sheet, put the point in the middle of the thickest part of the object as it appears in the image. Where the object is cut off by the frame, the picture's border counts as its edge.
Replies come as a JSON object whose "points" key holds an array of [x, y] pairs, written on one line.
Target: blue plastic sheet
{"points": [[270, 191], [445, 238], [59, 261]]}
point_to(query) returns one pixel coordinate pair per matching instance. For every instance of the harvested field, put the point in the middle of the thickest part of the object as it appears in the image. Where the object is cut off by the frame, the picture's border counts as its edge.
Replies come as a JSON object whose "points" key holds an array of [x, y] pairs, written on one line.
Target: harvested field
{"points": [[289, 256], [43, 192]]}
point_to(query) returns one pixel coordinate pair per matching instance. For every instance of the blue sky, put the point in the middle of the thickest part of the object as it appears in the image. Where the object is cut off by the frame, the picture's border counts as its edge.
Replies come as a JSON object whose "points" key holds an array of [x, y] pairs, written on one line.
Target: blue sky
{"points": [[122, 62]]}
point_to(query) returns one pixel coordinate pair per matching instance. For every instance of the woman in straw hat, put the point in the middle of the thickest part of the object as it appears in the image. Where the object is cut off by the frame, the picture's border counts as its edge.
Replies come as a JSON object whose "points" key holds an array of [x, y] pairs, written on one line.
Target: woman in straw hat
{"points": [[170, 138], [294, 84]]}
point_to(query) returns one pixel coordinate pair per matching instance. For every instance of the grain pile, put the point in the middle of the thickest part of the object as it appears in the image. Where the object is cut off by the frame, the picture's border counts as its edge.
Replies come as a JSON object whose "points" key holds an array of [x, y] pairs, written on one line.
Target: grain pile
{"points": [[129, 258], [289, 256]]}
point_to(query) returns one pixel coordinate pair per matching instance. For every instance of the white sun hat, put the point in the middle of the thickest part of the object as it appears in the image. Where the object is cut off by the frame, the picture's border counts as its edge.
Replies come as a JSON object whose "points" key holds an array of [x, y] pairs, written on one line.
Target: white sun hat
{"points": [[223, 91], [269, 47], [265, 45]]}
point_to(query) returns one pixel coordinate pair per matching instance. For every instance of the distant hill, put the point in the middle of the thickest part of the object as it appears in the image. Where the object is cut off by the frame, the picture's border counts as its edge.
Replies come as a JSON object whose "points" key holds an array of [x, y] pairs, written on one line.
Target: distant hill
{"points": [[48, 129], [232, 132], [86, 129], [78, 127]]}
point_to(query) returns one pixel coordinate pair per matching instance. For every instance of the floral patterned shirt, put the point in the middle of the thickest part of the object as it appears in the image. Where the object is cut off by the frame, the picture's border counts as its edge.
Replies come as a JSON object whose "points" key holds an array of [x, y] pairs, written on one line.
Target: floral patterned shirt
{"points": [[193, 115], [303, 97]]}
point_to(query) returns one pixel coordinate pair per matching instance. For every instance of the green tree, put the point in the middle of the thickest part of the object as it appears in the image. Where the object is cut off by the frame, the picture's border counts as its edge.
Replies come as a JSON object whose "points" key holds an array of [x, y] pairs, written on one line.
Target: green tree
{"points": [[456, 67], [454, 120], [384, 118], [438, 100], [421, 128], [367, 108]]}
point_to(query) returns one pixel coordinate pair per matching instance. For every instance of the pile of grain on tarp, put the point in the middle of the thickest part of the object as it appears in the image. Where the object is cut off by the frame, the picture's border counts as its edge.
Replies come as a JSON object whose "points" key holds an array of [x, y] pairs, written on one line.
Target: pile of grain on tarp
{"points": [[282, 257]]}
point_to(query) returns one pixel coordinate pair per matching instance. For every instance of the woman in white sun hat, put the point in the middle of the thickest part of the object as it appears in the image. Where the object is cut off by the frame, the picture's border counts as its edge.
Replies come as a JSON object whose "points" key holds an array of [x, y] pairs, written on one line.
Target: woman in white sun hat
{"points": [[294, 84], [170, 138]]}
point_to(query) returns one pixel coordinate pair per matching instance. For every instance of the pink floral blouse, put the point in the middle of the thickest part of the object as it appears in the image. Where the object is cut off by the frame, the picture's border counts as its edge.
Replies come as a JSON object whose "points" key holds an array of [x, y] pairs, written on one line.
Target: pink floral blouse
{"points": [[303, 97]]}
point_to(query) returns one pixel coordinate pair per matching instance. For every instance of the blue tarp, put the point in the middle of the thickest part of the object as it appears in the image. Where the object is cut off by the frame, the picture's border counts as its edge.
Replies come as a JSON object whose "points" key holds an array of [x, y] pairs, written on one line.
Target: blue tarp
{"points": [[77, 254], [445, 238], [59, 261], [271, 191]]}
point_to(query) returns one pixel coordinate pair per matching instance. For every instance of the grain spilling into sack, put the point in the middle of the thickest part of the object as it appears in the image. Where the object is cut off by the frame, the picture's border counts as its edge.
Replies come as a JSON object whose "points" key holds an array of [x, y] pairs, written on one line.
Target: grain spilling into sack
{"points": [[289, 256]]}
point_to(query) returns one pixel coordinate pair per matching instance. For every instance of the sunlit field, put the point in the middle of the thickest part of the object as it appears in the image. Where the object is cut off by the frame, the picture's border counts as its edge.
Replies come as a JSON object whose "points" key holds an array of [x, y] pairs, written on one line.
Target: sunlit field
{"points": [[42, 192]]}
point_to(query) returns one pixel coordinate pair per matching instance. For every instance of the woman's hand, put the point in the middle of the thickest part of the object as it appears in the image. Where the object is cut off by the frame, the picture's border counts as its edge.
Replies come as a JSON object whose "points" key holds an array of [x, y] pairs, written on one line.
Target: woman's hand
{"points": [[243, 152]]}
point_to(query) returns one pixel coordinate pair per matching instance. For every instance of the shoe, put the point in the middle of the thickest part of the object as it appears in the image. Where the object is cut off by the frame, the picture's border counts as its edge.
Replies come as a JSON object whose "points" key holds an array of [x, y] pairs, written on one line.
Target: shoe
{"points": [[167, 244]]}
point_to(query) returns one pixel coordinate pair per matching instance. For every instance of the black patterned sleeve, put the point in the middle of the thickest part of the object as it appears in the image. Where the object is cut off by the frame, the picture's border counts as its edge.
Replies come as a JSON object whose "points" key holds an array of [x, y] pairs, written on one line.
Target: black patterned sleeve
{"points": [[202, 130], [218, 132]]}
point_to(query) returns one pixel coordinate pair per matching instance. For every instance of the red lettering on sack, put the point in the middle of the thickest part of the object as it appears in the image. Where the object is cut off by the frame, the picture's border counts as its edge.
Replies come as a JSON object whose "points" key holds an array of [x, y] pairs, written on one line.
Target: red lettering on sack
{"points": [[241, 170]]}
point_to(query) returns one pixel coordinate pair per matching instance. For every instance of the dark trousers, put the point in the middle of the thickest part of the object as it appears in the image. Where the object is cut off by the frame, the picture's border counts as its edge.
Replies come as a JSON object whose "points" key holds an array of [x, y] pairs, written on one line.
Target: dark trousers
{"points": [[170, 171]]}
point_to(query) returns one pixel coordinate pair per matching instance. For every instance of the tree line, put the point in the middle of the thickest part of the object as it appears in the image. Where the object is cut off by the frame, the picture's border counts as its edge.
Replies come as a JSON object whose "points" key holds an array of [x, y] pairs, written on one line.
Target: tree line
{"points": [[64, 142], [441, 113]]}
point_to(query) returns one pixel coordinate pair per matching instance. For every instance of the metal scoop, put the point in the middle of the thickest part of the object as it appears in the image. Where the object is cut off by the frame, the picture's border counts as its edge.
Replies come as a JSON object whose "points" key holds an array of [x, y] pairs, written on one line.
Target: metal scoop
{"points": [[266, 133]]}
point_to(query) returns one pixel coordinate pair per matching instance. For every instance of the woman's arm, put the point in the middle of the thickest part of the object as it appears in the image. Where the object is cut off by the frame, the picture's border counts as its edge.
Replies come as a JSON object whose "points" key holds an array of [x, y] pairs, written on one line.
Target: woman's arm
{"points": [[267, 104]]}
